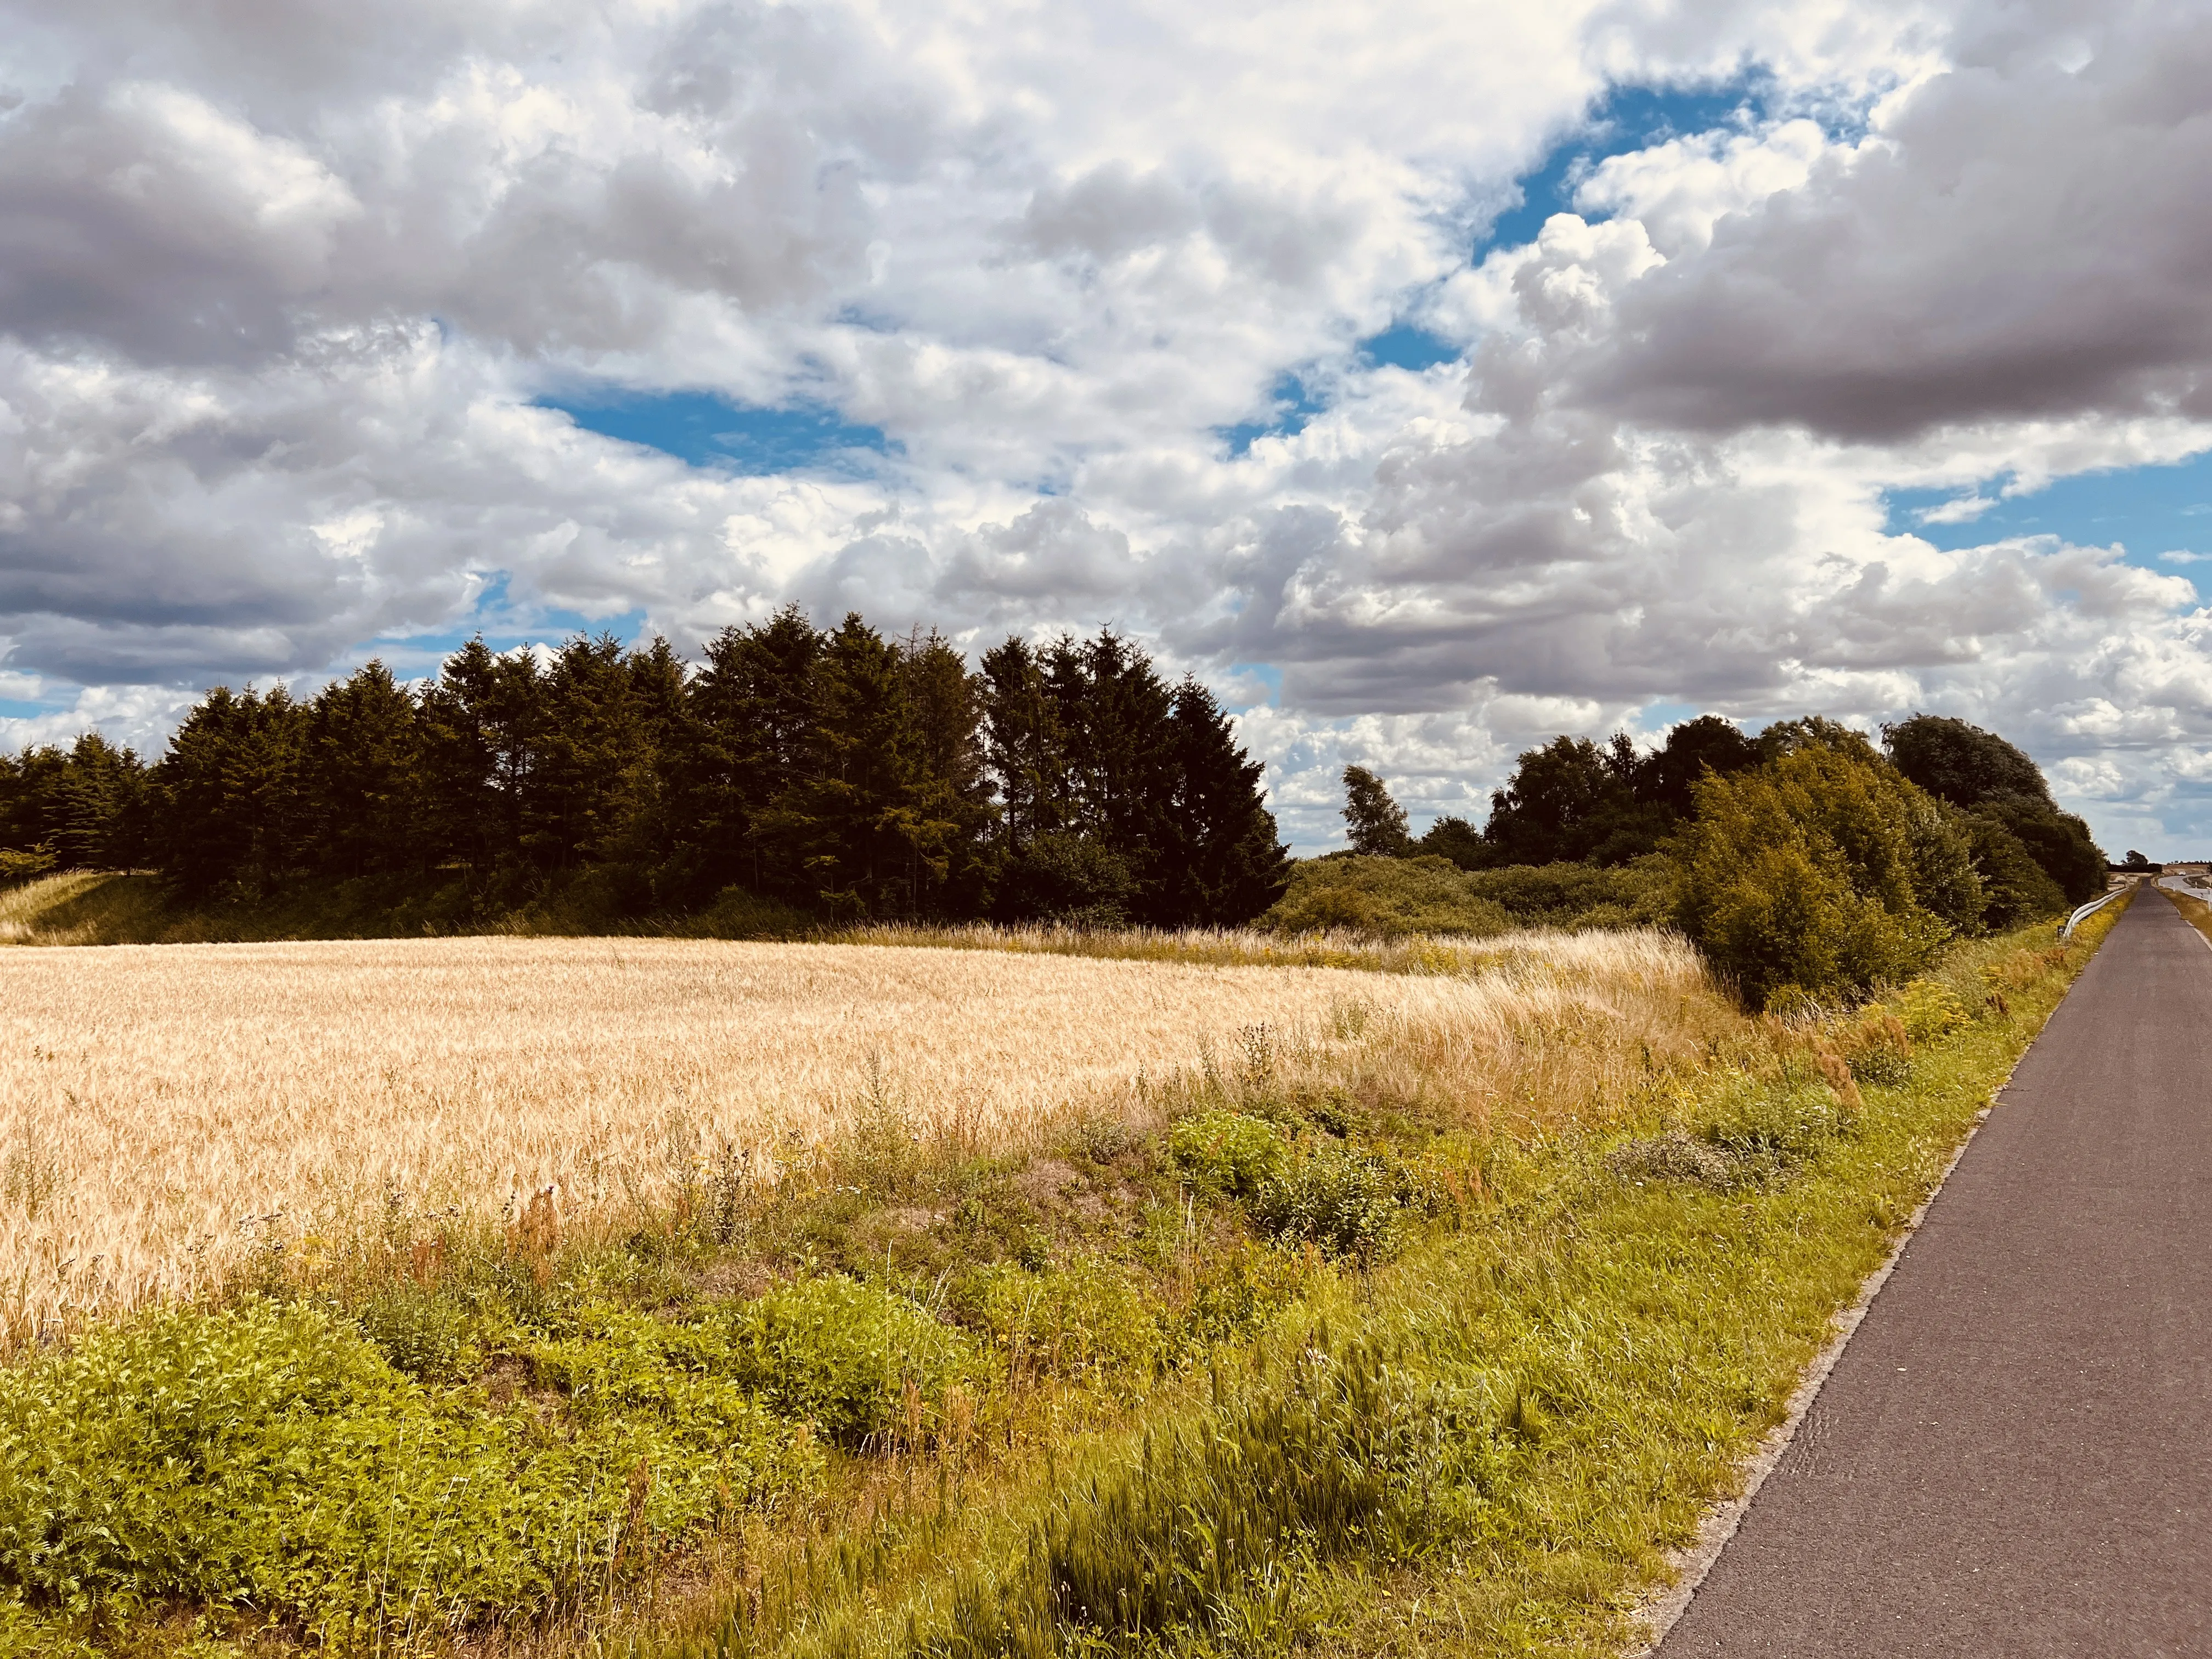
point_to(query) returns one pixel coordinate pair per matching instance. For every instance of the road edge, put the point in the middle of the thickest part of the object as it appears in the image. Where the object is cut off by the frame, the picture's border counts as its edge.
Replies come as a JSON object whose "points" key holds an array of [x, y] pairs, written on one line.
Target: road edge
{"points": [[1661, 1608]]}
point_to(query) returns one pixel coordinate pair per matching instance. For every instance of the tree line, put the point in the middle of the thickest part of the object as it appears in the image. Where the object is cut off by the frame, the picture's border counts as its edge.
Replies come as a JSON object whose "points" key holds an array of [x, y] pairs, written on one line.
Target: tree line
{"points": [[1802, 857], [837, 771]]}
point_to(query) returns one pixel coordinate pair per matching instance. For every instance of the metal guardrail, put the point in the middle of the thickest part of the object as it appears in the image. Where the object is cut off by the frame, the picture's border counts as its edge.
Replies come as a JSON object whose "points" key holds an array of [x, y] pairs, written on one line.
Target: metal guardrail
{"points": [[2093, 906]]}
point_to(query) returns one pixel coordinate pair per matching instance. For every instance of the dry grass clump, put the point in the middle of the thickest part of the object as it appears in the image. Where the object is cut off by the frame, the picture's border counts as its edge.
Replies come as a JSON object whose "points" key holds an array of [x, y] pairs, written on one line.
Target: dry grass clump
{"points": [[162, 1107], [1332, 947]]}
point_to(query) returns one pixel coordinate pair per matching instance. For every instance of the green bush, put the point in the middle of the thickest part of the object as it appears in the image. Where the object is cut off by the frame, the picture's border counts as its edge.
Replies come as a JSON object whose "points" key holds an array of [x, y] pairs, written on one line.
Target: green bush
{"points": [[1581, 895], [270, 1457], [1802, 874], [842, 1355], [1346, 1202], [1387, 896], [1226, 1152], [424, 1331]]}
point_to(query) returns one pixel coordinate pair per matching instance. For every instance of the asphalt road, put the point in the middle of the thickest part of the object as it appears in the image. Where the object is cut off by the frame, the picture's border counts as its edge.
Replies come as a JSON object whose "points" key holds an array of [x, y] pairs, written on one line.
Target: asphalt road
{"points": [[2014, 1455]]}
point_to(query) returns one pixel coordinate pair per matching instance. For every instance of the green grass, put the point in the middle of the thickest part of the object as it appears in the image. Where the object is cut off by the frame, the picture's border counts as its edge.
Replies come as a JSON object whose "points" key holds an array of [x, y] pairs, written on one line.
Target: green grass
{"points": [[1312, 1366]]}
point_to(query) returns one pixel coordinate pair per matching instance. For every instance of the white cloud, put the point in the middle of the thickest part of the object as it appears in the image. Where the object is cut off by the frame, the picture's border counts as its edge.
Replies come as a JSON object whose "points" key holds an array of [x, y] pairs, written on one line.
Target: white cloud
{"points": [[276, 291]]}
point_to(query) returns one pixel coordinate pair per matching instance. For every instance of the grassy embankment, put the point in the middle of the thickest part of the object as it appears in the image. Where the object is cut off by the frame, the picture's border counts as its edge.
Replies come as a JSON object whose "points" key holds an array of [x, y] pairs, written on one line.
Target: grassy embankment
{"points": [[1404, 1335], [1335, 910], [2196, 911]]}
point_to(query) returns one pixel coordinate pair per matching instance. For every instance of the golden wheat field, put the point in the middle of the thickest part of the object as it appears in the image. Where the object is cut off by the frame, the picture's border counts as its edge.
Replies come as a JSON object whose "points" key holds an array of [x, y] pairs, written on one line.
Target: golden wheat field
{"points": [[158, 1104]]}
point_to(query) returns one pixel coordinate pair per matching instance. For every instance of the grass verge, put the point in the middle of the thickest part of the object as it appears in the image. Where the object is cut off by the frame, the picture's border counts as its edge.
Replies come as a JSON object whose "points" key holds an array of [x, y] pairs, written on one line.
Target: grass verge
{"points": [[1335, 1355]]}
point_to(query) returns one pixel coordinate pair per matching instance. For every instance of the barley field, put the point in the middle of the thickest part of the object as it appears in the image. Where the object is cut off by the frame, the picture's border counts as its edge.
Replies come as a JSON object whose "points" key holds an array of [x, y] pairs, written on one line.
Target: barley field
{"points": [[163, 1108]]}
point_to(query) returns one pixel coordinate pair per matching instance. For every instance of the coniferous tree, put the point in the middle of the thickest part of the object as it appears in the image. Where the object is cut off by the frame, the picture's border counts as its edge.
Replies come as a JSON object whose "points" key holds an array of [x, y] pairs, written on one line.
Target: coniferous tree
{"points": [[1120, 767], [854, 827], [232, 800], [1225, 864], [752, 721], [952, 783], [474, 724], [1022, 744], [362, 765]]}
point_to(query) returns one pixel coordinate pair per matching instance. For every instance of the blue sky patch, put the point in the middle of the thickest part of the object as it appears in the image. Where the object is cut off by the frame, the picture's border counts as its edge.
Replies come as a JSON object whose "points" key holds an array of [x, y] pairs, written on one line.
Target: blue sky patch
{"points": [[706, 430], [1626, 119], [2150, 510], [504, 626], [1294, 404], [1402, 345]]}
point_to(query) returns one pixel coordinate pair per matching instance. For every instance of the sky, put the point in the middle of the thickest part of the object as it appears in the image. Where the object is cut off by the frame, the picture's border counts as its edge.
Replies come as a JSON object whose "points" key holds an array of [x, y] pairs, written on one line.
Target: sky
{"points": [[1430, 380]]}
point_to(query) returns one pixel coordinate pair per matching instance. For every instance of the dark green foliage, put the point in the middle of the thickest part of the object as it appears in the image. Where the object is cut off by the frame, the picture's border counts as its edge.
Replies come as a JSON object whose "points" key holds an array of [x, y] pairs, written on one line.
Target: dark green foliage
{"points": [[1455, 838], [836, 775], [1568, 800], [1571, 801], [1375, 822], [2059, 842], [1962, 763], [1125, 800], [1982, 774], [79, 809], [1669, 776], [2015, 887], [1222, 864]]}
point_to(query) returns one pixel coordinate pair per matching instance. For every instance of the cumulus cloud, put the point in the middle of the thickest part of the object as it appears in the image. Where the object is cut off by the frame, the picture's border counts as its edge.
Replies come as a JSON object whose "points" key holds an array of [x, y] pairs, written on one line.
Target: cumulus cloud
{"points": [[278, 292]]}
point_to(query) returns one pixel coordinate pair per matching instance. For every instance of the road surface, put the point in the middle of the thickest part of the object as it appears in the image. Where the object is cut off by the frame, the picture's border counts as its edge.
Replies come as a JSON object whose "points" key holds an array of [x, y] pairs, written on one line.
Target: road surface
{"points": [[2013, 1455]]}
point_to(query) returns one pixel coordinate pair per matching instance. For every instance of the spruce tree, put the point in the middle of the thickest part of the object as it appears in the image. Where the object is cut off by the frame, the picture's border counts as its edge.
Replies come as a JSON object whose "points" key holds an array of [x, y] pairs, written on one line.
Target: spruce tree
{"points": [[1022, 744], [854, 827], [753, 726], [364, 775], [952, 783], [1225, 865]]}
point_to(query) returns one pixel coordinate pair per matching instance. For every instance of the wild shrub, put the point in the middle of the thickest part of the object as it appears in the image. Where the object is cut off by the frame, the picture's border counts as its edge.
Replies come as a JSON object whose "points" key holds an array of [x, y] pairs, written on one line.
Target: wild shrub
{"points": [[858, 1362], [1347, 1202], [426, 1331], [1930, 1010], [1230, 1154], [1386, 897], [1802, 874], [270, 1457]]}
